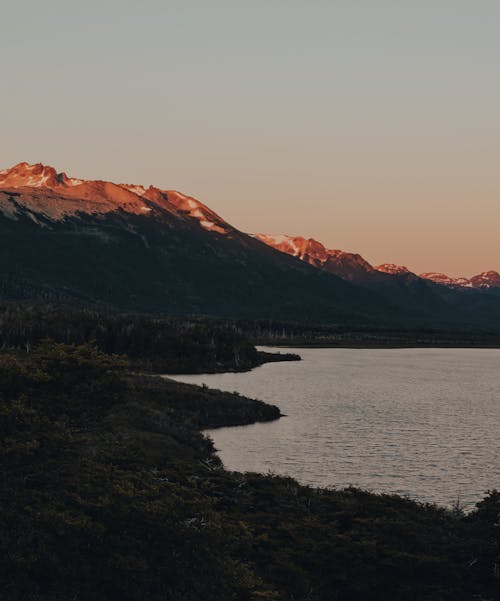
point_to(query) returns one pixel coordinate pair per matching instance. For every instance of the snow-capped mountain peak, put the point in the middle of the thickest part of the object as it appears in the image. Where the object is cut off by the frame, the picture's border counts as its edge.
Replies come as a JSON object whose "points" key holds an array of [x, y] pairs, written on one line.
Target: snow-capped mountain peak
{"points": [[392, 269], [486, 279], [26, 175], [42, 191]]}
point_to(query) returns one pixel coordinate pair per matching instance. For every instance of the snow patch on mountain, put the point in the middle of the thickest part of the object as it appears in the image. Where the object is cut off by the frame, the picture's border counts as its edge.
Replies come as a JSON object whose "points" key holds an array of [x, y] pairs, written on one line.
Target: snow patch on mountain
{"points": [[446, 280], [195, 209], [306, 249], [139, 190], [392, 269]]}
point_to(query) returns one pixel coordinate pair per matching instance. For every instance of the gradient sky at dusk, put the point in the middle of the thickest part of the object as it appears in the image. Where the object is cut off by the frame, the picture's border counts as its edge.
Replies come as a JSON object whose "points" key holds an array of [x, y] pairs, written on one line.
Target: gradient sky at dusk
{"points": [[371, 126]]}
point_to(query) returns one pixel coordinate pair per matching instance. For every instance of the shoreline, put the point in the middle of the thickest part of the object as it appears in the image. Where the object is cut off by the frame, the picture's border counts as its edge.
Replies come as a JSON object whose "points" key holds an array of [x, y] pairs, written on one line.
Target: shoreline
{"points": [[379, 346], [444, 505], [124, 455]]}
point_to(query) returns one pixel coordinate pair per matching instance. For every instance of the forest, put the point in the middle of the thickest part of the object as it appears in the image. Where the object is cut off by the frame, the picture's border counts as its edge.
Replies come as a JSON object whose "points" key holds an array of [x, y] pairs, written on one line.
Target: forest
{"points": [[152, 343]]}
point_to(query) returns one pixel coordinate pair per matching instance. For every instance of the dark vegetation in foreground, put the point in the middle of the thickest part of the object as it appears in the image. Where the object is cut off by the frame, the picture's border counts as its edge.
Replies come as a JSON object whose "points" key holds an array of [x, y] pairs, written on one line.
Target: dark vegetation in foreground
{"points": [[110, 492]]}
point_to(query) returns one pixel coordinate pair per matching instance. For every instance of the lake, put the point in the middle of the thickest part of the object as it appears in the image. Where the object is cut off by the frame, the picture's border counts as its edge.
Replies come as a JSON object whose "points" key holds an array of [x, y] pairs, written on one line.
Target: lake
{"points": [[418, 422]]}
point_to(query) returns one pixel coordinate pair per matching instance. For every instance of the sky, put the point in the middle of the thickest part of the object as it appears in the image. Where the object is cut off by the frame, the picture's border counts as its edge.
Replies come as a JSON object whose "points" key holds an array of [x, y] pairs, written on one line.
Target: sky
{"points": [[370, 126]]}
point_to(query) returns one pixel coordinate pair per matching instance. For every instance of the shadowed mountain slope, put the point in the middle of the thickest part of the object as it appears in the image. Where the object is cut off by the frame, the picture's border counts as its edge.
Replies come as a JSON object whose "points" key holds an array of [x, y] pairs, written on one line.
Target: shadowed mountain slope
{"points": [[129, 247]]}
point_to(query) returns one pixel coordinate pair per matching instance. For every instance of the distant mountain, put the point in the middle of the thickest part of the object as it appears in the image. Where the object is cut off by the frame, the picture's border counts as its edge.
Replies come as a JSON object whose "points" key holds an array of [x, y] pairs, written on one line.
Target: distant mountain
{"points": [[307, 250], [446, 280], [393, 269], [482, 281], [487, 279], [431, 292], [136, 248], [348, 266], [394, 282]]}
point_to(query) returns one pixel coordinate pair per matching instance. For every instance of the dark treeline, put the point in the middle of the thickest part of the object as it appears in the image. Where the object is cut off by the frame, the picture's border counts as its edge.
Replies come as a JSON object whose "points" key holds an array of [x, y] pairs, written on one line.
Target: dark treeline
{"points": [[161, 344], [196, 344], [274, 332], [109, 491]]}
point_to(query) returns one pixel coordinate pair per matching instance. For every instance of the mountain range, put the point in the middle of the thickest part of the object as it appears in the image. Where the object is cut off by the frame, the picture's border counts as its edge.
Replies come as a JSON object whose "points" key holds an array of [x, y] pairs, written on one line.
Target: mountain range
{"points": [[134, 248], [355, 268]]}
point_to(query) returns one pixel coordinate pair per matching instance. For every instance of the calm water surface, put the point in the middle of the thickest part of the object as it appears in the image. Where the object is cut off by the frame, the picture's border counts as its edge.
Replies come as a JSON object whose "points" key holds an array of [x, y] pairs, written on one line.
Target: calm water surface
{"points": [[418, 422]]}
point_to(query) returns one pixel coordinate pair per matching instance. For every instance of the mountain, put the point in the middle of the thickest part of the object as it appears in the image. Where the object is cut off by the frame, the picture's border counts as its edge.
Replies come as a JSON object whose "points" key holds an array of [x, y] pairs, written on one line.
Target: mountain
{"points": [[44, 193], [394, 282], [348, 266], [393, 269], [431, 293], [134, 248], [446, 280], [482, 281], [307, 250]]}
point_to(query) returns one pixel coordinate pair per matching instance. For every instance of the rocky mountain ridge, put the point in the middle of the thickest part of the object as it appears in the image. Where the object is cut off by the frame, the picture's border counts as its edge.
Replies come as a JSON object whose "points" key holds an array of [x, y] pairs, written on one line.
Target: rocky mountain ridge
{"points": [[353, 267]]}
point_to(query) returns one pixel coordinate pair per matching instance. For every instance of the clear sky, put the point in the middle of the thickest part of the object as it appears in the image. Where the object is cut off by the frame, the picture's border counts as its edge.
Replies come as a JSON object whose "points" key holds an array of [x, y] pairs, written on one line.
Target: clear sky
{"points": [[370, 125]]}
